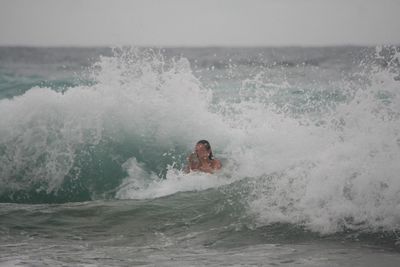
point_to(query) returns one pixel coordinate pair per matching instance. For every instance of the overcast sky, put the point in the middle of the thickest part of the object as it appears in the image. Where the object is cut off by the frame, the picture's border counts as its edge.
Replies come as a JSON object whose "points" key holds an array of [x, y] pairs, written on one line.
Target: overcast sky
{"points": [[199, 23]]}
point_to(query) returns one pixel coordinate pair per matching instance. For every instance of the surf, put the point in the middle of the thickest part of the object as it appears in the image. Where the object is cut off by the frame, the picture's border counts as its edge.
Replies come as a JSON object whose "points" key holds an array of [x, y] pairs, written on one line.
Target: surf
{"points": [[317, 153]]}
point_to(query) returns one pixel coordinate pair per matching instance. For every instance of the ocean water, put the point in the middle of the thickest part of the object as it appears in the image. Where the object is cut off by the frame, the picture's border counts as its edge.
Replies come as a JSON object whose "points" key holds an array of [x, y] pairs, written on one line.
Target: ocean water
{"points": [[93, 142]]}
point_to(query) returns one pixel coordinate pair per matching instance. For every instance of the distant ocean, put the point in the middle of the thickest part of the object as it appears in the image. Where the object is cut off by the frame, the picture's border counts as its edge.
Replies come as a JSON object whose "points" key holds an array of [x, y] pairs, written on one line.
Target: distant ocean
{"points": [[93, 142]]}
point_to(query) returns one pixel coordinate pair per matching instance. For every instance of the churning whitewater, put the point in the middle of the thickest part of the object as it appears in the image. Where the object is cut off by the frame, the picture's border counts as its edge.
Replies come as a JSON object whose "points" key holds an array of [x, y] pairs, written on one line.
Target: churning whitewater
{"points": [[309, 140]]}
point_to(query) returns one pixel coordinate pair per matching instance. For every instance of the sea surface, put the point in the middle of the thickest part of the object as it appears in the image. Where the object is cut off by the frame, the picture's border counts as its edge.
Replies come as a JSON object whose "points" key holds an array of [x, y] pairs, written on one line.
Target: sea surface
{"points": [[93, 142]]}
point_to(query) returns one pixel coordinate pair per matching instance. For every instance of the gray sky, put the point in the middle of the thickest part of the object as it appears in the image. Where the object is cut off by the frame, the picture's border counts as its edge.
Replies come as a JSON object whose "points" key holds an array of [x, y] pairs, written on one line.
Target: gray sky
{"points": [[199, 23]]}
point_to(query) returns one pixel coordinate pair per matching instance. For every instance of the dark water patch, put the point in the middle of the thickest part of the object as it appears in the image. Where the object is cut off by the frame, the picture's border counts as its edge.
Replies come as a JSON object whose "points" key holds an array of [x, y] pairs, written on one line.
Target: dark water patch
{"points": [[378, 238], [70, 192], [55, 55]]}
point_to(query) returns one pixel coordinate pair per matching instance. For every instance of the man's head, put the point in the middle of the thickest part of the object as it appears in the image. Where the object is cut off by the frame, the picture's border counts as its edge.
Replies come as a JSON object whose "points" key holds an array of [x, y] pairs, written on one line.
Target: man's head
{"points": [[203, 150]]}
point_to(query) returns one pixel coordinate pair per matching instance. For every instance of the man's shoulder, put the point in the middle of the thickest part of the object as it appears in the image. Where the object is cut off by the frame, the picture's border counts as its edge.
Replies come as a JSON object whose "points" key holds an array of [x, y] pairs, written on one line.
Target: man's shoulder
{"points": [[217, 164]]}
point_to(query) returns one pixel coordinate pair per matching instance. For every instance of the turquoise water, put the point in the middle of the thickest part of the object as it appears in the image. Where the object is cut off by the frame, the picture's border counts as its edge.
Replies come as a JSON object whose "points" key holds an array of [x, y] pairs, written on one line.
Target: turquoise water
{"points": [[93, 142]]}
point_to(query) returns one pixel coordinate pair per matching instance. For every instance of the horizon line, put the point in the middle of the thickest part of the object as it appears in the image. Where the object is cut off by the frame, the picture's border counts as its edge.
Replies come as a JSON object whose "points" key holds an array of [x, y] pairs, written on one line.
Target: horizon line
{"points": [[195, 46]]}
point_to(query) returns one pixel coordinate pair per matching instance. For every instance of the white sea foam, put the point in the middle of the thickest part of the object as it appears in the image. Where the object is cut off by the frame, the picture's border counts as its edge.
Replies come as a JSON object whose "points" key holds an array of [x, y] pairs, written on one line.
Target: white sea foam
{"points": [[40, 132], [348, 175], [143, 185]]}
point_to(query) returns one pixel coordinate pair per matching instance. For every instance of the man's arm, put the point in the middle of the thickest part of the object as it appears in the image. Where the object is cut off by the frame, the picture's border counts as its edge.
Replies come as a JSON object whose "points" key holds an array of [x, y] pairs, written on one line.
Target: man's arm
{"points": [[192, 164]]}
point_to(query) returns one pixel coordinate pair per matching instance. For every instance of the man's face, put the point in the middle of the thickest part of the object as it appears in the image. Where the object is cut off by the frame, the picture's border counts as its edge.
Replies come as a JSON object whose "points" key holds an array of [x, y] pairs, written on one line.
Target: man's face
{"points": [[202, 151]]}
